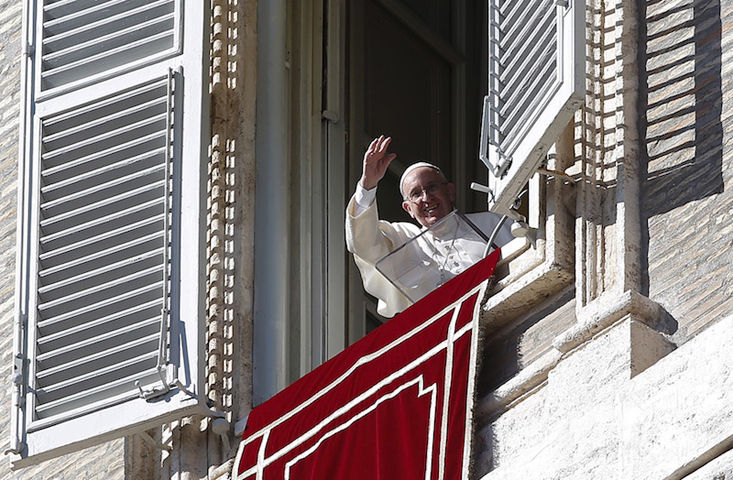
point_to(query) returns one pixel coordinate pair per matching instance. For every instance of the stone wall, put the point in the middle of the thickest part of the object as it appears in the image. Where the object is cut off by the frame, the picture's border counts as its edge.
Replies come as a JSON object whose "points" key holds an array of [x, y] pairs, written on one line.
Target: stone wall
{"points": [[106, 461], [597, 417], [687, 95]]}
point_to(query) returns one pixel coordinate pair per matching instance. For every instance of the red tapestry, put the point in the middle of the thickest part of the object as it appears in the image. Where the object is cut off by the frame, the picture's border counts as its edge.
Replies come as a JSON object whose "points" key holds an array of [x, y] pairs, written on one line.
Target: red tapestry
{"points": [[395, 405]]}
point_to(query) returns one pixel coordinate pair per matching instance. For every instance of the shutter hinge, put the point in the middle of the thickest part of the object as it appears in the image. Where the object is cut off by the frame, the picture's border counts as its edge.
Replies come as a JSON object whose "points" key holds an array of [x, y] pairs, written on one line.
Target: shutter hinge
{"points": [[17, 374], [27, 49]]}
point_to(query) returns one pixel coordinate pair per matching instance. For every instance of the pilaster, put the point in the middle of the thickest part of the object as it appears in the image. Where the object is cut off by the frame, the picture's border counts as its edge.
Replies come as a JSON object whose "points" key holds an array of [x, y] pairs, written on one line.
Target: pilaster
{"points": [[608, 228]]}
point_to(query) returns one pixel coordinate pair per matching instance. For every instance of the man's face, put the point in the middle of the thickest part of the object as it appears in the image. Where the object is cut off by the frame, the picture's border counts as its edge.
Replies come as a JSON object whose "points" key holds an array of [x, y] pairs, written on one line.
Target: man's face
{"points": [[429, 197]]}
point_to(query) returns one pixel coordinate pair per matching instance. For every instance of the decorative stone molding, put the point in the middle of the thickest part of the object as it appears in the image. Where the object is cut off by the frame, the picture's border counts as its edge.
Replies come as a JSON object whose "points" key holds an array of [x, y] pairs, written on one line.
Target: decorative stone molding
{"points": [[607, 310]]}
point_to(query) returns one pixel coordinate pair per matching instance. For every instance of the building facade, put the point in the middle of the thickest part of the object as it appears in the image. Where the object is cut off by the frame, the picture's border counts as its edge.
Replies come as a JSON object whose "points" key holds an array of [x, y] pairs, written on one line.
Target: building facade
{"points": [[607, 337]]}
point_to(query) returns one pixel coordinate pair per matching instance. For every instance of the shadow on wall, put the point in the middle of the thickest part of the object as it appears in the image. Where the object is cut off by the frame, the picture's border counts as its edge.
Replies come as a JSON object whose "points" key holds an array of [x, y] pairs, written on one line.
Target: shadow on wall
{"points": [[681, 103]]}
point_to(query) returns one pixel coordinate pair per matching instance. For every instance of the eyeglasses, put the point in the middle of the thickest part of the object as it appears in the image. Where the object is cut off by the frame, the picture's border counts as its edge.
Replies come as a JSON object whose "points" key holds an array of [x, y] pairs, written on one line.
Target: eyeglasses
{"points": [[431, 189]]}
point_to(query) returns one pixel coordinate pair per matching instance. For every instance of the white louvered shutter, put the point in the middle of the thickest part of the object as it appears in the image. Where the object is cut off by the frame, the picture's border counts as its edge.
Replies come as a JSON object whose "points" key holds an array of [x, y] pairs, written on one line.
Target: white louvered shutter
{"points": [[110, 283], [536, 83]]}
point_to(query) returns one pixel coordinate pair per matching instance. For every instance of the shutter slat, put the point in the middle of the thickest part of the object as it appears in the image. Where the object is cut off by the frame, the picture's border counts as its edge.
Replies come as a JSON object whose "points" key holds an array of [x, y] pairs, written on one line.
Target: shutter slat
{"points": [[85, 209], [535, 39], [82, 40], [136, 108], [89, 361], [107, 103], [93, 28], [99, 323], [533, 91], [116, 392], [54, 390], [105, 136], [74, 52], [105, 286], [74, 231], [530, 71], [521, 24], [77, 8], [98, 271], [87, 241], [91, 174], [74, 65], [107, 186], [97, 254], [90, 307], [526, 61], [74, 346], [100, 393], [104, 153]]}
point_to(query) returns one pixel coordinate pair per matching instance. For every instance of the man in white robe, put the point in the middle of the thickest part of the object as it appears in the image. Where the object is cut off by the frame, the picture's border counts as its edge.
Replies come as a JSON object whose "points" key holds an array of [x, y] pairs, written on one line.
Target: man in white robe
{"points": [[428, 198]]}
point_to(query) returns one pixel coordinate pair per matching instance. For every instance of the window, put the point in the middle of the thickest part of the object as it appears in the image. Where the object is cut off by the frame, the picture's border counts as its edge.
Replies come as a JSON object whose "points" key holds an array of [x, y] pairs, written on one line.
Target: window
{"points": [[111, 189]]}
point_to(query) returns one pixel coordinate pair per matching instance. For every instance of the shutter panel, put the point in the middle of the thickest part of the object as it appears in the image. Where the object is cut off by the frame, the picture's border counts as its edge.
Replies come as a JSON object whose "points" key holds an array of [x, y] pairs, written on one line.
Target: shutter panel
{"points": [[86, 40], [109, 316], [536, 83]]}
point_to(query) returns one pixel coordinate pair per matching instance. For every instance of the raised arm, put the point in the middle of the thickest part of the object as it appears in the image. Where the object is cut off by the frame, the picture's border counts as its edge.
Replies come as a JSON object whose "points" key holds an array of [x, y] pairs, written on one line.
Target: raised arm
{"points": [[376, 162]]}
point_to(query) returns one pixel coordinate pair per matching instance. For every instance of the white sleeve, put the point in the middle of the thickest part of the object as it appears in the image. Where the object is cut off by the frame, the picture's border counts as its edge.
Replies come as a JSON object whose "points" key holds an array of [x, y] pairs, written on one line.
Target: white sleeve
{"points": [[363, 198]]}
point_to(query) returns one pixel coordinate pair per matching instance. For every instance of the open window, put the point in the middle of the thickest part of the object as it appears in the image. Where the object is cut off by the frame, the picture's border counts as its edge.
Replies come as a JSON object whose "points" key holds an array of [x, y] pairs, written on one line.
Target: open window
{"points": [[108, 337]]}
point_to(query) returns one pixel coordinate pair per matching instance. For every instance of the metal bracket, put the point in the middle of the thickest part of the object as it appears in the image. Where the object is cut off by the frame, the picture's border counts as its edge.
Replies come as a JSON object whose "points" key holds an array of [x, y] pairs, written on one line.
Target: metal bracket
{"points": [[556, 174], [18, 400], [154, 393], [154, 443], [500, 169]]}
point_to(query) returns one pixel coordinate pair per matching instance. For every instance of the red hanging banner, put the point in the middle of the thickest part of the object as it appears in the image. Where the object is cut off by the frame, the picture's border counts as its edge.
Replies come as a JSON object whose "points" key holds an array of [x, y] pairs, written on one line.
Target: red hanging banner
{"points": [[395, 405]]}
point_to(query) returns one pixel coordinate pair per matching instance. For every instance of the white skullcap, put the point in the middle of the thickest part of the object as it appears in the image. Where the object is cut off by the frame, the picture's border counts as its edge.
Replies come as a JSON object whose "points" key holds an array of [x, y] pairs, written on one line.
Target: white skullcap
{"points": [[415, 166]]}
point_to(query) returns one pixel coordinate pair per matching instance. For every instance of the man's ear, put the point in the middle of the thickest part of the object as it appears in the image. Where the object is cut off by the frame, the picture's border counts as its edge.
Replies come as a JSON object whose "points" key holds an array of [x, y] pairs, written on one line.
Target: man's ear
{"points": [[406, 207], [451, 192]]}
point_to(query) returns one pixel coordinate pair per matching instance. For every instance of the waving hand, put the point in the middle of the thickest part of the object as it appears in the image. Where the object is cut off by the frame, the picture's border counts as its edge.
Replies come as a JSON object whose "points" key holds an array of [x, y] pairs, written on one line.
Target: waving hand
{"points": [[376, 162]]}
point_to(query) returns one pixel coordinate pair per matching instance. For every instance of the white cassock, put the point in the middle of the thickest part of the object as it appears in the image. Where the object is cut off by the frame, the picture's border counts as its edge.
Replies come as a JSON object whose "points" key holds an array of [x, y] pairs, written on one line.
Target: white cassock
{"points": [[421, 266]]}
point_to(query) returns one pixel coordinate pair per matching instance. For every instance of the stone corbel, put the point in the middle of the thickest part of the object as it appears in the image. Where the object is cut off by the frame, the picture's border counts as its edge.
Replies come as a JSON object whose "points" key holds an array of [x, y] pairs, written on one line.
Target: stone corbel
{"points": [[610, 308]]}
